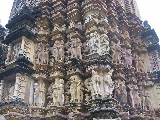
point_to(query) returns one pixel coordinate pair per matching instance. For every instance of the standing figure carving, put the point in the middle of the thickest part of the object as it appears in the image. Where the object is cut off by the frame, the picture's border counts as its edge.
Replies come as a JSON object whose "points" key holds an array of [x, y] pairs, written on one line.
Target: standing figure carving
{"points": [[101, 84], [58, 50], [104, 45], [108, 83], [123, 91], [95, 83], [139, 63], [42, 54], [39, 94], [116, 49], [134, 95], [36, 94], [148, 104], [56, 92], [61, 92], [129, 58], [76, 89], [75, 48], [94, 43]]}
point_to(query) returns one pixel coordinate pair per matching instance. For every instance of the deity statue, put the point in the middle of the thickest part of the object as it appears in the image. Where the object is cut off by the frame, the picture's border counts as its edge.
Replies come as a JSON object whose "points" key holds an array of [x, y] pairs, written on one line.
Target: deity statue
{"points": [[128, 58], [95, 83], [79, 47], [61, 92], [94, 43], [39, 94], [116, 52], [42, 92], [101, 84], [42, 54], [108, 83], [104, 44], [11, 93], [36, 94], [139, 63], [147, 101], [58, 50], [123, 95], [134, 95], [75, 48], [56, 92], [76, 89]]}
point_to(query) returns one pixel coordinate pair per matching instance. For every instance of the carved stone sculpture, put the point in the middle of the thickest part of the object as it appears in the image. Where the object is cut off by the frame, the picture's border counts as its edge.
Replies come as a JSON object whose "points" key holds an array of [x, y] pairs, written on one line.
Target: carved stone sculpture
{"points": [[36, 94], [58, 50], [108, 83], [76, 89], [57, 90], [104, 44], [147, 101], [123, 95], [61, 92], [101, 84], [42, 93], [75, 48], [116, 49], [134, 96], [95, 83], [128, 58], [139, 63], [39, 94], [42, 54]]}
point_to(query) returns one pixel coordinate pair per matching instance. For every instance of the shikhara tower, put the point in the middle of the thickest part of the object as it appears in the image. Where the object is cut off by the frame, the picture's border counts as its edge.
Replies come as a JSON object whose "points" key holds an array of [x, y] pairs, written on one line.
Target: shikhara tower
{"points": [[78, 60]]}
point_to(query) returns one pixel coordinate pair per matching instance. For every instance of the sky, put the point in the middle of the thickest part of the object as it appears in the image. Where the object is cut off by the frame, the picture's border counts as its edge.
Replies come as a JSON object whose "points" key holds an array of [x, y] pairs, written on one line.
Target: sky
{"points": [[149, 10]]}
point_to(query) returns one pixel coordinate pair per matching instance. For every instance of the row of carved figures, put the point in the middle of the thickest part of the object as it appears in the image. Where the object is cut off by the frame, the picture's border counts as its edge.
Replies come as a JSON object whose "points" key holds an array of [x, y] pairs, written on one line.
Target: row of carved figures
{"points": [[99, 85]]}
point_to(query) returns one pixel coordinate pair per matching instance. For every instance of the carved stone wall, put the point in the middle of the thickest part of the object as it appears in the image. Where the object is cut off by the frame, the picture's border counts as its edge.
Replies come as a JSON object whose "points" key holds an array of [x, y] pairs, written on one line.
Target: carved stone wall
{"points": [[79, 60]]}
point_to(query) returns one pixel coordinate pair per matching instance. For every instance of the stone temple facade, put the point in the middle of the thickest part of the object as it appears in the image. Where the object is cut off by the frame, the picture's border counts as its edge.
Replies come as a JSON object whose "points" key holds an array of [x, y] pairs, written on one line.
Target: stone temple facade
{"points": [[78, 60]]}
